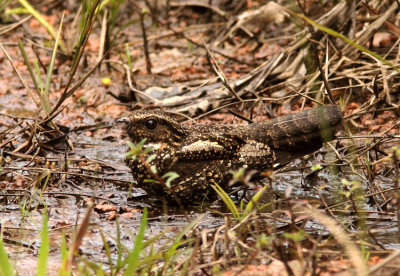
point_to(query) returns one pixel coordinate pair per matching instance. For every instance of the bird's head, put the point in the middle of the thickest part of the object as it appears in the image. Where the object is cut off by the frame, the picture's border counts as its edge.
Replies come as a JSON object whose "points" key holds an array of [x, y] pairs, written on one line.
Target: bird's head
{"points": [[156, 126]]}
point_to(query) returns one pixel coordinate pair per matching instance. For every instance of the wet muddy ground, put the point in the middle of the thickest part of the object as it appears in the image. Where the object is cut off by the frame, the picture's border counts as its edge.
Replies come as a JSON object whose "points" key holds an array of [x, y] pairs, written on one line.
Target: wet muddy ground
{"points": [[109, 190]]}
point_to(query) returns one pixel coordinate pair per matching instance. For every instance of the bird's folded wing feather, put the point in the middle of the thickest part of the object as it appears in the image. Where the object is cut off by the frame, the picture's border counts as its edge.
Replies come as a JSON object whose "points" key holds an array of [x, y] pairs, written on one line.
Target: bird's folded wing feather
{"points": [[210, 147]]}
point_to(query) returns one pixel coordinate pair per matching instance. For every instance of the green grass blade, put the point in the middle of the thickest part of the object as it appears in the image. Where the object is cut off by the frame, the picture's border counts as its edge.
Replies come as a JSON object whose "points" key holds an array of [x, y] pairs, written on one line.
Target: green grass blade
{"points": [[114, 10], [5, 265], [64, 256], [254, 200], [46, 101], [40, 18], [128, 56], [26, 60], [44, 247], [228, 201], [39, 77], [333, 33], [3, 5], [119, 244], [89, 12], [178, 238], [107, 251], [133, 257], [40, 84], [171, 254]]}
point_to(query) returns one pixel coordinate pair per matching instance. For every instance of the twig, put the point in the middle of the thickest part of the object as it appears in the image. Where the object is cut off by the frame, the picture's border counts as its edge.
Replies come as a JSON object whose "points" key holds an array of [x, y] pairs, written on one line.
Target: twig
{"points": [[178, 33], [343, 239], [395, 255], [240, 116], [145, 43], [77, 58], [11, 27], [315, 53], [221, 74]]}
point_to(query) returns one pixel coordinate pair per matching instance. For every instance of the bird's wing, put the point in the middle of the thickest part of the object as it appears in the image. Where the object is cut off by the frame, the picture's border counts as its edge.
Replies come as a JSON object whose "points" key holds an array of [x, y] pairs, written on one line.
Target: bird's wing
{"points": [[210, 147]]}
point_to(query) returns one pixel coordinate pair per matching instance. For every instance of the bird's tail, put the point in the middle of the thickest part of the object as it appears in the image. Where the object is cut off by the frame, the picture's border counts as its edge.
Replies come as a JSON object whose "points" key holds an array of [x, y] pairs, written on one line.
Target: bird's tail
{"points": [[300, 133]]}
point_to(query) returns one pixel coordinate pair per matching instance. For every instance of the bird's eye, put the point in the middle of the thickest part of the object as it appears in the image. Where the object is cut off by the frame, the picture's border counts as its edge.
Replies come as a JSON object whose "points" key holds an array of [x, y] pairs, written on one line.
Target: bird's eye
{"points": [[150, 124]]}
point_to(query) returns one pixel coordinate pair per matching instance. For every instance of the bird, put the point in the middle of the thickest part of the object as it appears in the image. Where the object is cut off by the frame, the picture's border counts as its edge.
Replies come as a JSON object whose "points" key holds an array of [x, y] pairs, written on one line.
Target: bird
{"points": [[201, 155]]}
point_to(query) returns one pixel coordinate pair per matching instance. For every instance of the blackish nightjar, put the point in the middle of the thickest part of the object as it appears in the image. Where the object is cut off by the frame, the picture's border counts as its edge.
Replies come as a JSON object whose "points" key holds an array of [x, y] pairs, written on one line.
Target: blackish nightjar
{"points": [[203, 154]]}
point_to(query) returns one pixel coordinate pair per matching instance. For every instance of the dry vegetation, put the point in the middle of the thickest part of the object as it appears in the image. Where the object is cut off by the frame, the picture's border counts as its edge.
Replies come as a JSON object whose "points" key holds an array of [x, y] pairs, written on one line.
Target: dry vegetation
{"points": [[68, 71]]}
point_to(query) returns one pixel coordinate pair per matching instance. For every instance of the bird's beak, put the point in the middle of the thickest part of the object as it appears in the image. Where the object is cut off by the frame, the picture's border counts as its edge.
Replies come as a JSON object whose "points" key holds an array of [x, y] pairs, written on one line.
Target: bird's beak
{"points": [[123, 120]]}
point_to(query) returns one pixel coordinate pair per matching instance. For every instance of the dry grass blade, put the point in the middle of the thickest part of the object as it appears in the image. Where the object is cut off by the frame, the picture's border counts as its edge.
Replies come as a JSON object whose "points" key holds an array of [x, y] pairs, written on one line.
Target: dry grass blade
{"points": [[89, 12], [371, 29], [40, 18], [11, 27], [394, 256], [221, 74], [20, 77], [343, 239], [81, 231], [356, 45]]}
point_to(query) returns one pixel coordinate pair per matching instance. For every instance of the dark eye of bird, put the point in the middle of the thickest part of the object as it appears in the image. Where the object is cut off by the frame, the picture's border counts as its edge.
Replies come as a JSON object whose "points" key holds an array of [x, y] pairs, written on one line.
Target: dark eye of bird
{"points": [[150, 124]]}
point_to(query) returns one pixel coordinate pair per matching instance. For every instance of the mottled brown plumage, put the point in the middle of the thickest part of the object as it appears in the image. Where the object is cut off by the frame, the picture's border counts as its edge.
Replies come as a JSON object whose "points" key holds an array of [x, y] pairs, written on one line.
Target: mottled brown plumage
{"points": [[203, 154]]}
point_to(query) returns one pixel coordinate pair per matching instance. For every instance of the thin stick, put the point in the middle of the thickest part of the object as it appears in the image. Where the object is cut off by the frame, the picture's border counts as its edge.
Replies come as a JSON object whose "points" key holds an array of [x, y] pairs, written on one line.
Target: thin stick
{"points": [[221, 74], [315, 53], [145, 44], [20, 77]]}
